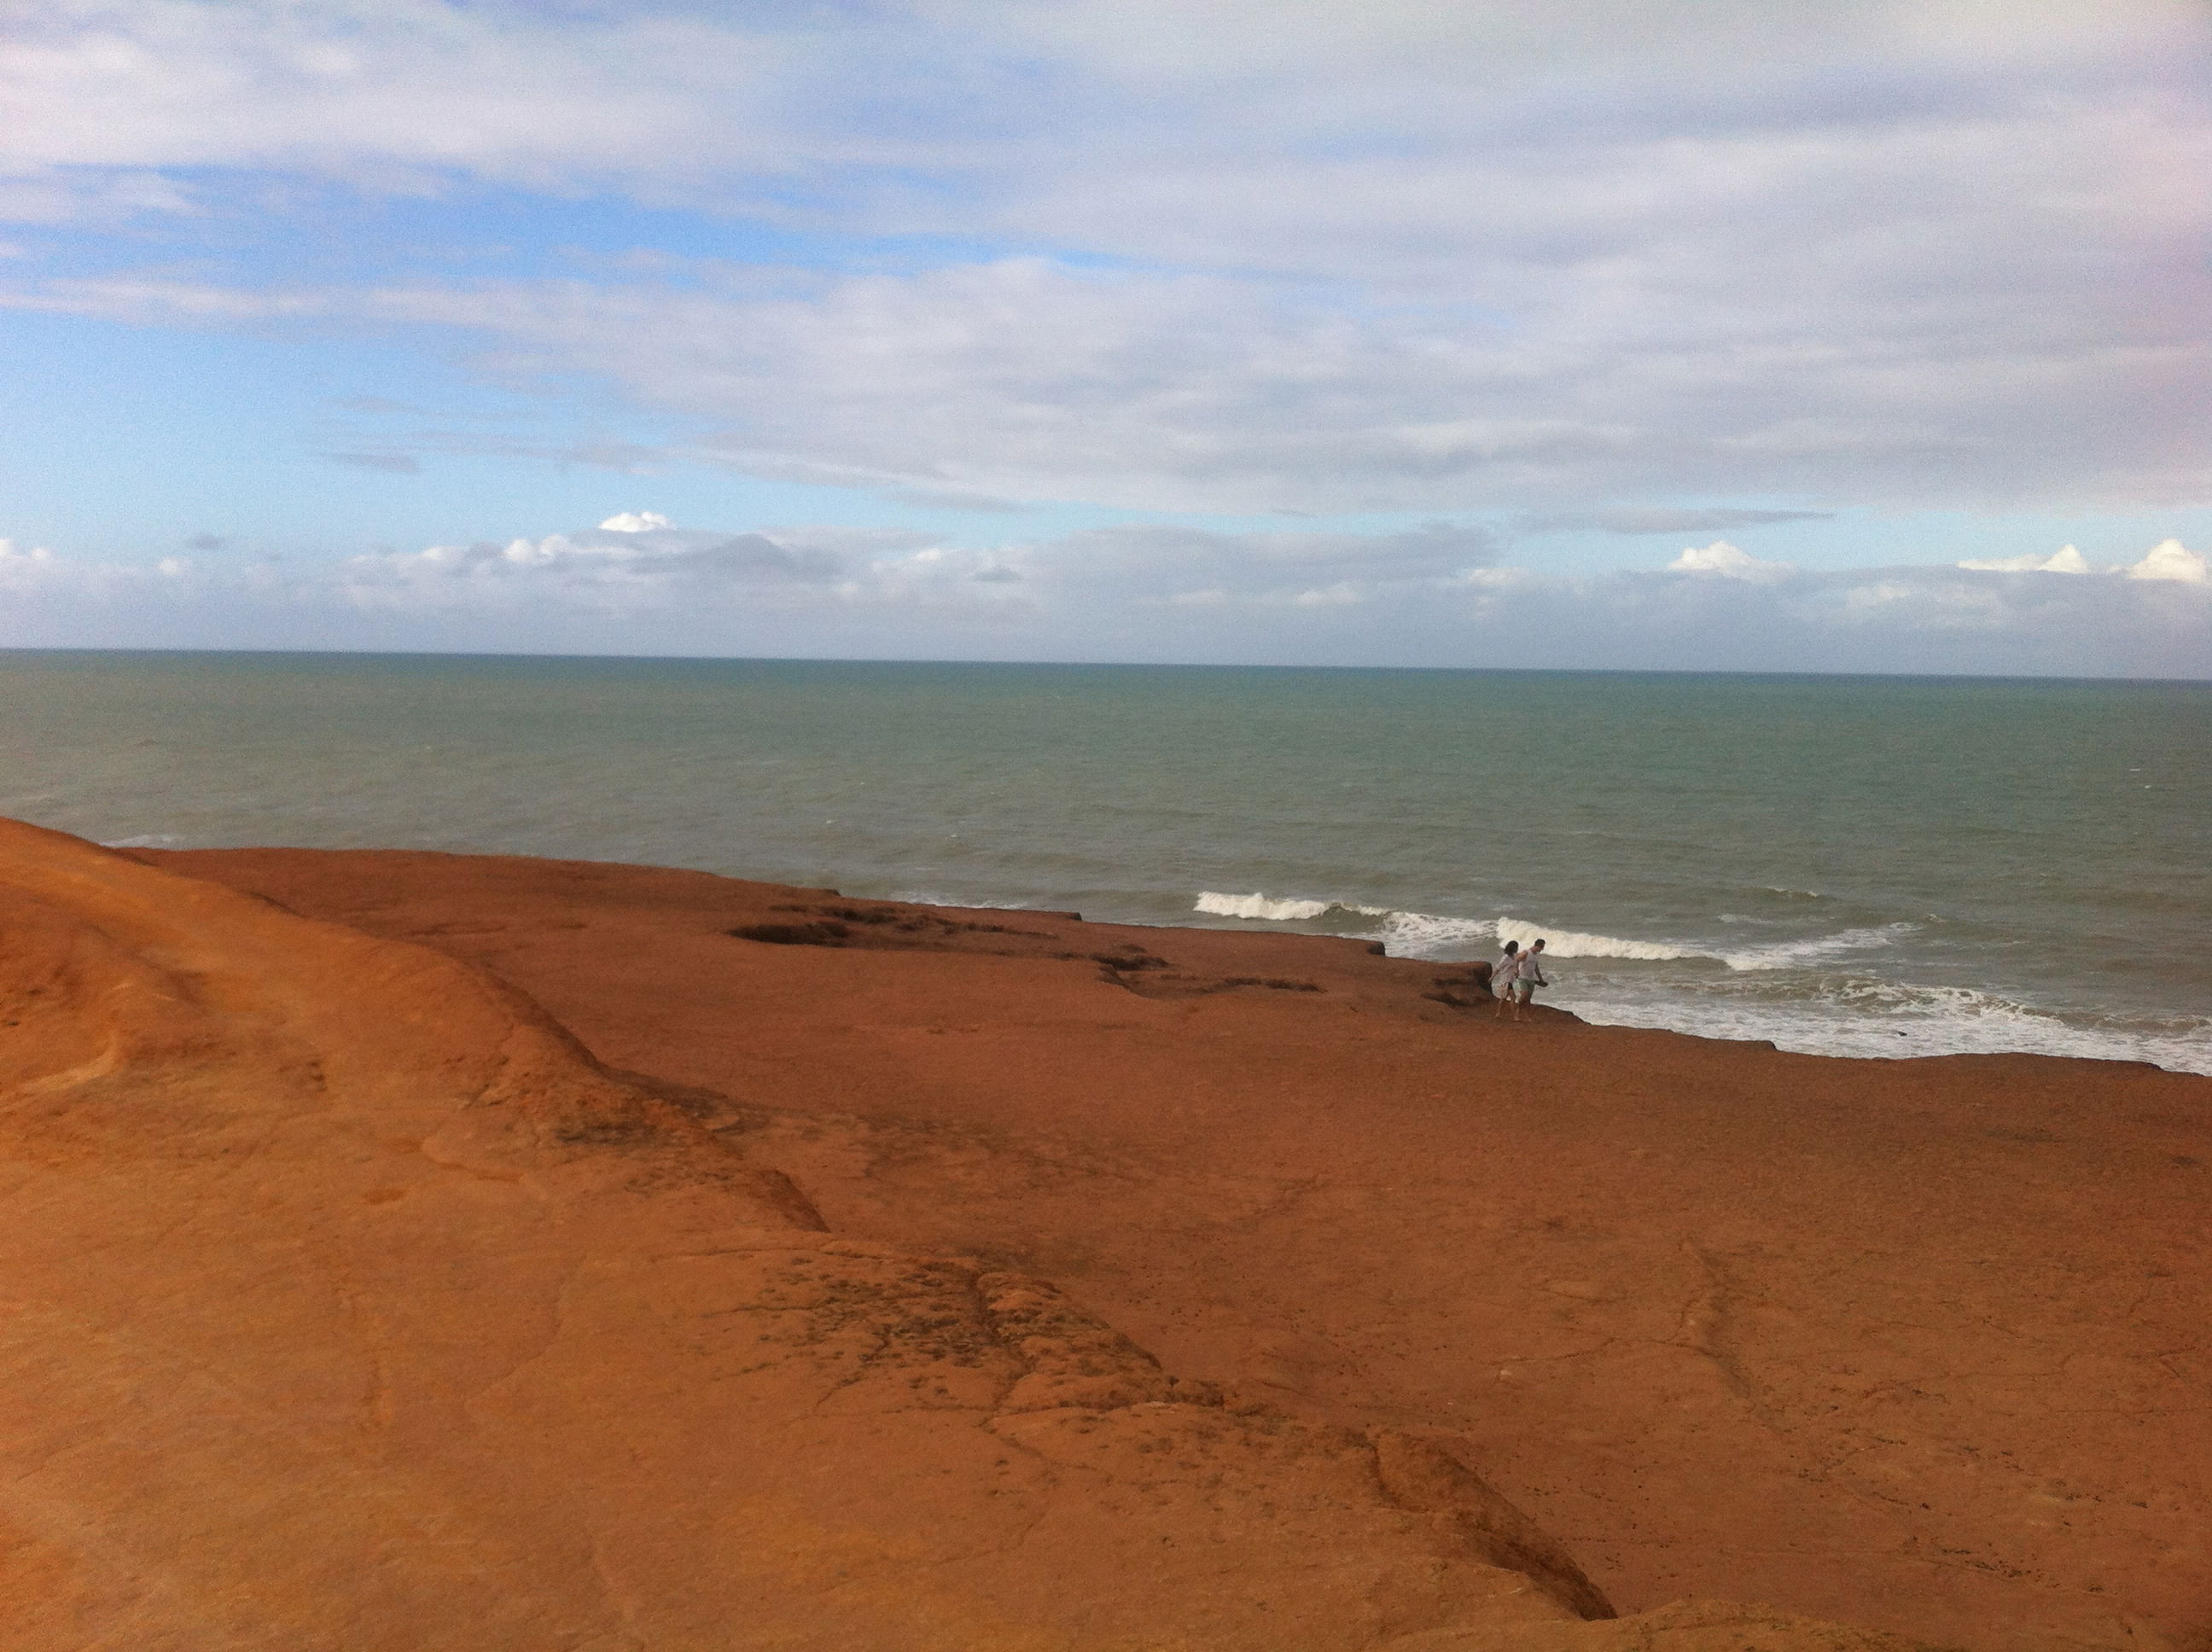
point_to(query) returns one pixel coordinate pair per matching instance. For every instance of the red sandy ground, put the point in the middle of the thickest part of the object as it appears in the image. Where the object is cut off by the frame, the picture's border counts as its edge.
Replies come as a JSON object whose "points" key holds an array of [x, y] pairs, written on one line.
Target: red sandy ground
{"points": [[1918, 1344]]}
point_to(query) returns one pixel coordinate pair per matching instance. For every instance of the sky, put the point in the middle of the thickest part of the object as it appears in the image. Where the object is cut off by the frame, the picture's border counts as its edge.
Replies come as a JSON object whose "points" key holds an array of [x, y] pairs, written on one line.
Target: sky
{"points": [[1860, 335]]}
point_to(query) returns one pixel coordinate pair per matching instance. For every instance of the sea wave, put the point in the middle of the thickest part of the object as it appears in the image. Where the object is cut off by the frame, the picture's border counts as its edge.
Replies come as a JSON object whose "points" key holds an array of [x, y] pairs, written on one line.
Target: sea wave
{"points": [[964, 902], [1817, 994], [1426, 934], [1774, 955], [1289, 909], [1814, 949], [1568, 944], [1858, 1015]]}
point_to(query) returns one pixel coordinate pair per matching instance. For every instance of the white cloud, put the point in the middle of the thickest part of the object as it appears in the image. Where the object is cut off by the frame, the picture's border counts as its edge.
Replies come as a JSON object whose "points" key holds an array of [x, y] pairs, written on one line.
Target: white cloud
{"points": [[711, 101], [613, 569], [2064, 560], [39, 572], [1027, 380], [388, 93], [20, 569], [1646, 519], [2170, 560], [634, 522], [1724, 559], [1330, 258], [1278, 565], [1432, 597]]}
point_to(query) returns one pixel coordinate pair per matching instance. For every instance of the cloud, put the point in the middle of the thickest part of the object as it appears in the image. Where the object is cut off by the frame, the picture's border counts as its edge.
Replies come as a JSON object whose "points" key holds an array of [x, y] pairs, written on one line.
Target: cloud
{"points": [[57, 600], [629, 564], [389, 94], [697, 101], [20, 570], [957, 501], [1433, 596], [40, 195], [2065, 560], [1327, 259], [1723, 559], [1028, 379], [2169, 560], [1634, 520]]}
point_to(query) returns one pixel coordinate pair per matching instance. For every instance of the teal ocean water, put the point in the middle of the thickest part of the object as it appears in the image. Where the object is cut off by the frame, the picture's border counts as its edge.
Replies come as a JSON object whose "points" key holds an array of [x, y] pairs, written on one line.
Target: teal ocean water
{"points": [[1858, 865]]}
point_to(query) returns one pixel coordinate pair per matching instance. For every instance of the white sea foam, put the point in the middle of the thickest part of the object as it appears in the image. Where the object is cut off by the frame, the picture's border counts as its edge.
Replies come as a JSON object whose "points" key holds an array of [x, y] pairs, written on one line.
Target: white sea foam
{"points": [[1289, 909], [1427, 934], [1814, 949], [1774, 955], [1424, 934], [143, 841], [1567, 944], [1800, 994], [1258, 906], [1892, 1020], [968, 902]]}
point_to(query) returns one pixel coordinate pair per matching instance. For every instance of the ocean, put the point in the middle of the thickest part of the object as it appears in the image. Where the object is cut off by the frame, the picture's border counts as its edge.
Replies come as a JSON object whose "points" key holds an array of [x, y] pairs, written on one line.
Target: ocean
{"points": [[1876, 866]]}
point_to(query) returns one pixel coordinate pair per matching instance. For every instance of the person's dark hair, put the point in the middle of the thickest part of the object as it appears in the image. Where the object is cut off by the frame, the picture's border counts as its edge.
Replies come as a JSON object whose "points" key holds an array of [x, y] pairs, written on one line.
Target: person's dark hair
{"points": [[1511, 947], [1538, 942]]}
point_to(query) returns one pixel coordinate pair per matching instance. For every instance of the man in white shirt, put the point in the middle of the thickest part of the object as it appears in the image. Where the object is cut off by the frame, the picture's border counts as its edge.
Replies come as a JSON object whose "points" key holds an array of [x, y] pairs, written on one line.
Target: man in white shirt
{"points": [[1527, 977]]}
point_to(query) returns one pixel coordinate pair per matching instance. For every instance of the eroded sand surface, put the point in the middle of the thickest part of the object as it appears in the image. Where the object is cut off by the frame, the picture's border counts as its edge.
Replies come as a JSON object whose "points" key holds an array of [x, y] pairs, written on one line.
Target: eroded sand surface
{"points": [[351, 1303]]}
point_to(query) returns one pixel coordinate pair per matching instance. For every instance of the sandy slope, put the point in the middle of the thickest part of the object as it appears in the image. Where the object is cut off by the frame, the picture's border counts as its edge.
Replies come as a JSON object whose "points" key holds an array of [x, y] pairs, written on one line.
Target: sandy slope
{"points": [[348, 1304], [1917, 1343]]}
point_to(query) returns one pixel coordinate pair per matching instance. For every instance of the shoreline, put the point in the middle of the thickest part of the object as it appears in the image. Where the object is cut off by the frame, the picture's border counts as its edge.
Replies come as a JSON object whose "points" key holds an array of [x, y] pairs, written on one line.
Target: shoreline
{"points": [[1699, 820], [1885, 1341], [1788, 1039], [1461, 976]]}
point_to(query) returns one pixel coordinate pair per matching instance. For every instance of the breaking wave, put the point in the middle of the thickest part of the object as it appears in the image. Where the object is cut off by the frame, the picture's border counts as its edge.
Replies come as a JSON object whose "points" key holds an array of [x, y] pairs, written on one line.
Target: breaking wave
{"points": [[1819, 994], [1426, 934], [1817, 949], [1566, 944], [1288, 910], [964, 902], [1855, 1016]]}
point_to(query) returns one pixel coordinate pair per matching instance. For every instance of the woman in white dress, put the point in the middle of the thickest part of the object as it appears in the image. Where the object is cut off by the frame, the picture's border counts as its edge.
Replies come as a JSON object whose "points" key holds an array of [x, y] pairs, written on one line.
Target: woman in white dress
{"points": [[1503, 974]]}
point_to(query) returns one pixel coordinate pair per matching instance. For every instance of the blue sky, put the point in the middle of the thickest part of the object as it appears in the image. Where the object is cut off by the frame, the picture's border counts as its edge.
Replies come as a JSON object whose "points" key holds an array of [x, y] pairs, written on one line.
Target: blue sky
{"points": [[1386, 333]]}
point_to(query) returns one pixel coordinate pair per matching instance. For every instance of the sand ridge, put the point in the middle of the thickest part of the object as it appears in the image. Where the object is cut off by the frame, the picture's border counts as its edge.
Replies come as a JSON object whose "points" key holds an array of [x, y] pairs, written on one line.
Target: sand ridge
{"points": [[352, 1303]]}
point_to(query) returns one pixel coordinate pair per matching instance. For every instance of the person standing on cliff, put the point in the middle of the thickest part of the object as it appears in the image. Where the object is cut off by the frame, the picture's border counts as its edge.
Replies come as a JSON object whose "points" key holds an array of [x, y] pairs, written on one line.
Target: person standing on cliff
{"points": [[1502, 976], [1528, 977]]}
